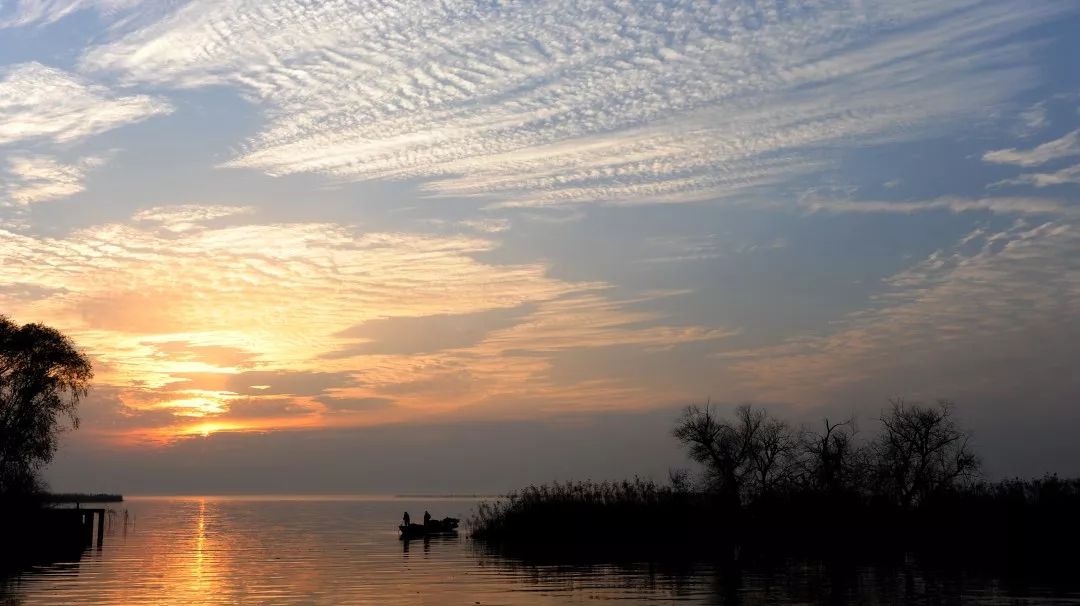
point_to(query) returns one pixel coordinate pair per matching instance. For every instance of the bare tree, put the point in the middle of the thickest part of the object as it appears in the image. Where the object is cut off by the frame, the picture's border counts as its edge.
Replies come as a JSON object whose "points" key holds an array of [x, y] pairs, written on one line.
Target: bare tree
{"points": [[774, 455], [832, 459], [721, 446], [42, 379], [921, 451], [747, 456]]}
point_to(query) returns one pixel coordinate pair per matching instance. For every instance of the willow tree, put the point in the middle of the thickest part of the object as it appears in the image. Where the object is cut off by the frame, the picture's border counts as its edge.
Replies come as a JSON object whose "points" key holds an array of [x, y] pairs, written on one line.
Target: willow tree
{"points": [[42, 379]]}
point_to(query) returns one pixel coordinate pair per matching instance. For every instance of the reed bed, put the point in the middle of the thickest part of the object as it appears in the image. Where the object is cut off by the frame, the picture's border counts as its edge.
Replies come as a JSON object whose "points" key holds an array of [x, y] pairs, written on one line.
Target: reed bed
{"points": [[989, 524], [631, 511]]}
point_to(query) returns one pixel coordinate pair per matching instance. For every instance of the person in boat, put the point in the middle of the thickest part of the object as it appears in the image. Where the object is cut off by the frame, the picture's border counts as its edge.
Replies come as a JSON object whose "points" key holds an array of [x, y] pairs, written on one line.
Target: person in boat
{"points": [[427, 518], [405, 519]]}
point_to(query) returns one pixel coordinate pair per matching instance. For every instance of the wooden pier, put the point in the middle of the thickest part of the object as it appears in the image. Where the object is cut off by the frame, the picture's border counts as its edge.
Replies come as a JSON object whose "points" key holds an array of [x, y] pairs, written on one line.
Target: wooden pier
{"points": [[87, 525], [43, 535]]}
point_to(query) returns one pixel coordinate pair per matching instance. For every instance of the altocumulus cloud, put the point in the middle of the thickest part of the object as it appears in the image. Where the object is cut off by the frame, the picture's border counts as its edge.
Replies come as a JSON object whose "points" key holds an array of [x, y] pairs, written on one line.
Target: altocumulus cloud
{"points": [[48, 108], [38, 102], [28, 179], [1063, 147], [21, 13], [561, 103], [1067, 146], [978, 309]]}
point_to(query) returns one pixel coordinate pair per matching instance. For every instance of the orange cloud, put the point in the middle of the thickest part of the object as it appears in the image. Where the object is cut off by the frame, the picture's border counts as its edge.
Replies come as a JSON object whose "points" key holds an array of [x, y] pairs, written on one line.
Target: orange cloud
{"points": [[195, 321]]}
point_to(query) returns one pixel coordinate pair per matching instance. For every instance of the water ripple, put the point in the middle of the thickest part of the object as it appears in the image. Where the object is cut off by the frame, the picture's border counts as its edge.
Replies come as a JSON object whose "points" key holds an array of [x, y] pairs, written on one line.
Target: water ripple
{"points": [[188, 551]]}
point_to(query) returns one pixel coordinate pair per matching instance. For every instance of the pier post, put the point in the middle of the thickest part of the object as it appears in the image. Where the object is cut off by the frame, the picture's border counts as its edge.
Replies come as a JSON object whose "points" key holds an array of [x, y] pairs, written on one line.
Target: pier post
{"points": [[86, 518], [100, 527]]}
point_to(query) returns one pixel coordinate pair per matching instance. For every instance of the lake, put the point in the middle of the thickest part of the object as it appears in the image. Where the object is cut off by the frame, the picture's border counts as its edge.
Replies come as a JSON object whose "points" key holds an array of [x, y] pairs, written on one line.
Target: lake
{"points": [[345, 550]]}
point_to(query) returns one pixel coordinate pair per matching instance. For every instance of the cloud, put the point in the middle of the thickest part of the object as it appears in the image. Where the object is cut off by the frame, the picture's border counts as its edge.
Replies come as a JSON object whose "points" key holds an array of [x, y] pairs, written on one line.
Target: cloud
{"points": [[45, 103], [277, 292], [28, 180], [687, 248], [590, 320], [184, 217], [488, 226], [998, 205], [353, 404], [1034, 118], [1002, 304], [43, 12], [509, 372], [1063, 147], [263, 383], [407, 336], [1065, 176], [211, 356], [184, 324], [561, 103]]}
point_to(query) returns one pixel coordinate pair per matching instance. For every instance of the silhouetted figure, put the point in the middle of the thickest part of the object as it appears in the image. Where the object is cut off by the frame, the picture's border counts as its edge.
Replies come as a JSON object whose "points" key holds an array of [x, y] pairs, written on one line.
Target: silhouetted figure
{"points": [[427, 518], [405, 518]]}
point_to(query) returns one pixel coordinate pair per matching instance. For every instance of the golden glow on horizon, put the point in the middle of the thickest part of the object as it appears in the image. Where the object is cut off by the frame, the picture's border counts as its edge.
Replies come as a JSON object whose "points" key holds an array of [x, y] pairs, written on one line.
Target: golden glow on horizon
{"points": [[201, 330]]}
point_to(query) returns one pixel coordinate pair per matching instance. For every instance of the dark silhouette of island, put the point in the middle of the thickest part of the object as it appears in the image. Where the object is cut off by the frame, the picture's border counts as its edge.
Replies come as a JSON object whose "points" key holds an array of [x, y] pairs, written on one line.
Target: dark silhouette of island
{"points": [[768, 490], [82, 497]]}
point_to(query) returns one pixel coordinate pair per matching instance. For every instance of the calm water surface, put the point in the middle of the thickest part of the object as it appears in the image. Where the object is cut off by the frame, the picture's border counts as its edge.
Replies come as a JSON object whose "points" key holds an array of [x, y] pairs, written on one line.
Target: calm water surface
{"points": [[226, 550]]}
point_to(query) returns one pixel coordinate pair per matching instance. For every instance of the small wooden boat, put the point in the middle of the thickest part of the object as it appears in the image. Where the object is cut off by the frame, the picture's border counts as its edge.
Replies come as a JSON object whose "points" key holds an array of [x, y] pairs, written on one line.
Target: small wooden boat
{"points": [[433, 527]]}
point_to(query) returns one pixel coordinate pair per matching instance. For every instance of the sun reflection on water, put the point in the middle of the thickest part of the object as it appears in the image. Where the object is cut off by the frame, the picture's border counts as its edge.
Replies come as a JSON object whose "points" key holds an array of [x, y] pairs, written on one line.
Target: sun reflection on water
{"points": [[198, 581]]}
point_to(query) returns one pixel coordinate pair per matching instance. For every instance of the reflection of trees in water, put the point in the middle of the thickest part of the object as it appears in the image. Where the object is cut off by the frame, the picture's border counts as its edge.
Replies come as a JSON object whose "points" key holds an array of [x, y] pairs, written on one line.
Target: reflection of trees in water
{"points": [[13, 580], [787, 581], [633, 579]]}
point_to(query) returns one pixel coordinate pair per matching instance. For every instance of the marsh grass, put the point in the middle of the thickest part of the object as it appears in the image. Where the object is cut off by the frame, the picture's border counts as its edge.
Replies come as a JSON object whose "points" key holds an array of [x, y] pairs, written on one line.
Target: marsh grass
{"points": [[1008, 526], [598, 516]]}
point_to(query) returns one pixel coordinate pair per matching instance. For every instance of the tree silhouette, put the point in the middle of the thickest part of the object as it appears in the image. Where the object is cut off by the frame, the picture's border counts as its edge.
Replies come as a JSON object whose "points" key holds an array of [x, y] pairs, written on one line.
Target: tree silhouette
{"points": [[833, 462], [42, 379], [774, 454], [748, 456], [922, 451]]}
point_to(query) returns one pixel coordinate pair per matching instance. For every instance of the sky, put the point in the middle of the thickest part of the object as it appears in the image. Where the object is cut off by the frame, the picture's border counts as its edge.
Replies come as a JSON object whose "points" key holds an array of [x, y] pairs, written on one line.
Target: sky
{"points": [[393, 246]]}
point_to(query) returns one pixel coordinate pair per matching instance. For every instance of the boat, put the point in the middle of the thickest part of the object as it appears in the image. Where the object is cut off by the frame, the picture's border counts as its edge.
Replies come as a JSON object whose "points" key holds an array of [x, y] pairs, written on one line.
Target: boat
{"points": [[433, 527]]}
